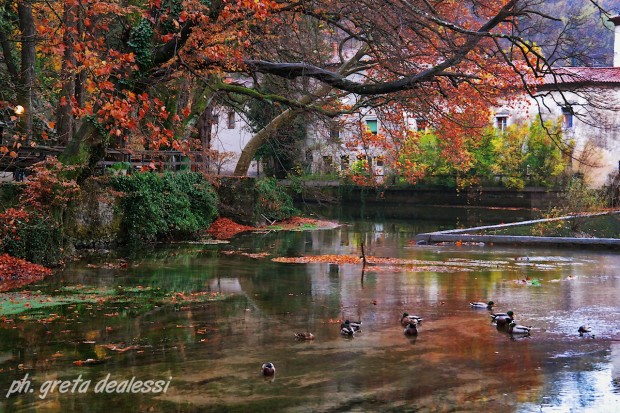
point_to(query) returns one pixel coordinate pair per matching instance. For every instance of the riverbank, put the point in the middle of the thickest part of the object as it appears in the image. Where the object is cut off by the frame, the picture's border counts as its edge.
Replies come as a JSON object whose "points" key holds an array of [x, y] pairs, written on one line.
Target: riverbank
{"points": [[585, 227], [405, 195]]}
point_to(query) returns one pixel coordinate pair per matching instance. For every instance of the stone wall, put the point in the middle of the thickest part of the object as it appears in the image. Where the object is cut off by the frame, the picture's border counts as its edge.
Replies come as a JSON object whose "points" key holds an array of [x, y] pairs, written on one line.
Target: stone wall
{"points": [[95, 222], [540, 198]]}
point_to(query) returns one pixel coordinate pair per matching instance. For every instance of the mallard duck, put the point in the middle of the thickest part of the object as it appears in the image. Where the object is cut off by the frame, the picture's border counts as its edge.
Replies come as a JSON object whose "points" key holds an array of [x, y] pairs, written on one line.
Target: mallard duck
{"points": [[304, 336], [411, 329], [584, 330], [514, 328], [502, 319], [355, 325], [478, 304], [268, 369], [406, 319], [346, 329]]}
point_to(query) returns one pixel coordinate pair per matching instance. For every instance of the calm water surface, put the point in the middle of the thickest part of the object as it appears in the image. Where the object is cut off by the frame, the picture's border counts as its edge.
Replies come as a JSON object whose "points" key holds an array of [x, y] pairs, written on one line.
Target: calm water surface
{"points": [[211, 352]]}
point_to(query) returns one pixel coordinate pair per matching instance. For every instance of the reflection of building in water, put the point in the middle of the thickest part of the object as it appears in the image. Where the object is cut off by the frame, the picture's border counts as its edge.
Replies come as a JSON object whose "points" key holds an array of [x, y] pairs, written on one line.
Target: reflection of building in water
{"points": [[225, 285]]}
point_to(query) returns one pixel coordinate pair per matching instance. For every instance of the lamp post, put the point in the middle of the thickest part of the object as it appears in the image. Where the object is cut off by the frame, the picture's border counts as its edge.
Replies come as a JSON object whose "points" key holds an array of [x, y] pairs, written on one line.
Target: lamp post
{"points": [[12, 121]]}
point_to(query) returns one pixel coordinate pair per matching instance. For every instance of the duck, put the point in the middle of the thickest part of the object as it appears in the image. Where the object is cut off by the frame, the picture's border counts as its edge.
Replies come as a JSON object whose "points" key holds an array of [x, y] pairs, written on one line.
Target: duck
{"points": [[406, 319], [514, 328], [346, 329], [584, 330], [411, 329], [355, 325], [502, 319], [304, 336], [479, 304], [268, 369]]}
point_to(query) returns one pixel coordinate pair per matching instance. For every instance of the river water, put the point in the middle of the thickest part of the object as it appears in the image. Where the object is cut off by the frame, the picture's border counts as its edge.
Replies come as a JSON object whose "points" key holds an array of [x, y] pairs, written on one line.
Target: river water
{"points": [[208, 354]]}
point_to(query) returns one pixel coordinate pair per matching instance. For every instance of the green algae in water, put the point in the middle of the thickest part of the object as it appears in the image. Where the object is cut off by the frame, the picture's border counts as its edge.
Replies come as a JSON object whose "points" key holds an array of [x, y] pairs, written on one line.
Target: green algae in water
{"points": [[20, 302], [29, 302]]}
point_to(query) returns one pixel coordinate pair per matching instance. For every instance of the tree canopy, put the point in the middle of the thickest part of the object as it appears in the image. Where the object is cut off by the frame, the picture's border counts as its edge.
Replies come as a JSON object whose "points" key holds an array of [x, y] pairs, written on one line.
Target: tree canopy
{"points": [[97, 74]]}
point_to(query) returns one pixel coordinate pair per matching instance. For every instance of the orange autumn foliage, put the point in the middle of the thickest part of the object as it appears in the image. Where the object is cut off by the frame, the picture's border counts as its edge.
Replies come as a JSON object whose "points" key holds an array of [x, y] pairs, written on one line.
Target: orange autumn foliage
{"points": [[225, 228], [15, 272], [326, 259]]}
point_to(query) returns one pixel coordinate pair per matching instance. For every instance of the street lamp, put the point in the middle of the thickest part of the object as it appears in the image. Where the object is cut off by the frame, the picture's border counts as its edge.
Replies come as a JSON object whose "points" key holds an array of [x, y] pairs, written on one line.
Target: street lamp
{"points": [[17, 110]]}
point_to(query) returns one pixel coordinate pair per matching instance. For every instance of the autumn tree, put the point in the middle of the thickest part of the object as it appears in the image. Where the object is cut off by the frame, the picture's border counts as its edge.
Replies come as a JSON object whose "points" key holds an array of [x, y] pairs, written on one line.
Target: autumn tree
{"points": [[445, 61], [143, 74]]}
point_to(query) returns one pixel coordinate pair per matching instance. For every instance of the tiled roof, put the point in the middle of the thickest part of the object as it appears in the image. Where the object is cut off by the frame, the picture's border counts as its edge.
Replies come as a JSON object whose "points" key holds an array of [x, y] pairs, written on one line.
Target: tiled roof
{"points": [[581, 75]]}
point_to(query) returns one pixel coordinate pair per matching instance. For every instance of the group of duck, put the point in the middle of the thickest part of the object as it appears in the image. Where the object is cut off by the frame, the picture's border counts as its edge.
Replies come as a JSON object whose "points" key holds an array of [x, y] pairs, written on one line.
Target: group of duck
{"points": [[503, 321], [410, 322], [506, 322]]}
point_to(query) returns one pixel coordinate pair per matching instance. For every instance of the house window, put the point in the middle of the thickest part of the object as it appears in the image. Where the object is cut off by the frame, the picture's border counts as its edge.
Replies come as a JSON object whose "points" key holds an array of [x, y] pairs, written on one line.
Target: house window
{"points": [[327, 161], [421, 124], [371, 125], [501, 122], [334, 130], [231, 120], [567, 117], [344, 162]]}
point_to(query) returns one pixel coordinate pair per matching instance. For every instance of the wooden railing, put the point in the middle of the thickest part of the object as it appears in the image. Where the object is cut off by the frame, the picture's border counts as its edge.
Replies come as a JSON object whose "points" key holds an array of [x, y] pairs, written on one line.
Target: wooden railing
{"points": [[138, 159]]}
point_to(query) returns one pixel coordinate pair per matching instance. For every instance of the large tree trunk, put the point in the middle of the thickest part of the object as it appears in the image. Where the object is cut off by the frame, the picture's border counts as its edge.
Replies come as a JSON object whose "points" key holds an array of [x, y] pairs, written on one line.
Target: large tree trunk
{"points": [[259, 139], [205, 126], [7, 53], [201, 101], [65, 122], [26, 92], [85, 148]]}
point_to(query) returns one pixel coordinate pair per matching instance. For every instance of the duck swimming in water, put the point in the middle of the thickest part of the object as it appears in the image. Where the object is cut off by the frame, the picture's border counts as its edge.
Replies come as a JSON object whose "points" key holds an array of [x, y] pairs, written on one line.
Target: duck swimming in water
{"points": [[514, 328], [304, 336], [481, 305], [406, 319], [268, 369], [585, 331], [502, 319], [411, 329], [355, 325], [346, 329]]}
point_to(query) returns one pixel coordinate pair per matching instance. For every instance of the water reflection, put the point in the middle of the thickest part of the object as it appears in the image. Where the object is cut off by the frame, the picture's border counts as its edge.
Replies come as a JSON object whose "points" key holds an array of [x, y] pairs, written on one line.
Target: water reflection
{"points": [[213, 351]]}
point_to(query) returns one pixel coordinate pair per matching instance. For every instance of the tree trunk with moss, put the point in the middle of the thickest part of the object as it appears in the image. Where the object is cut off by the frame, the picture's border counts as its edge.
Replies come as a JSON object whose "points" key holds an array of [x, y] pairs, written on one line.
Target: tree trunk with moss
{"points": [[85, 148]]}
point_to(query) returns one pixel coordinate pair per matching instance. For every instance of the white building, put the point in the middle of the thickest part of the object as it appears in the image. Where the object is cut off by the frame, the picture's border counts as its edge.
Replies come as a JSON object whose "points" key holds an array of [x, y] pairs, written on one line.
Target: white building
{"points": [[587, 100]]}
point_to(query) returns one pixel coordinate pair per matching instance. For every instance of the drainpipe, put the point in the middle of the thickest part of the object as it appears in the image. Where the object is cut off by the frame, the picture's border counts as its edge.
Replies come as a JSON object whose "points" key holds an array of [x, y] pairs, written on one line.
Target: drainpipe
{"points": [[616, 21]]}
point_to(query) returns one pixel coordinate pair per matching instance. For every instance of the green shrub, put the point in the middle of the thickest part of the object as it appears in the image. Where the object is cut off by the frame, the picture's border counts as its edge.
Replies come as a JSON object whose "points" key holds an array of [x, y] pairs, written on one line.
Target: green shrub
{"points": [[36, 239], [169, 205], [273, 202]]}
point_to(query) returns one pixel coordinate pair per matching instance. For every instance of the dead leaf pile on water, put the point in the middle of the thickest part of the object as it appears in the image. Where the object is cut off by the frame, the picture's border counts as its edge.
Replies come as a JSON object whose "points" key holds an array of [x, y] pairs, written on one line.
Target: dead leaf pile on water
{"points": [[255, 256], [413, 268], [120, 264], [15, 272], [327, 259], [386, 264], [301, 223], [224, 228]]}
